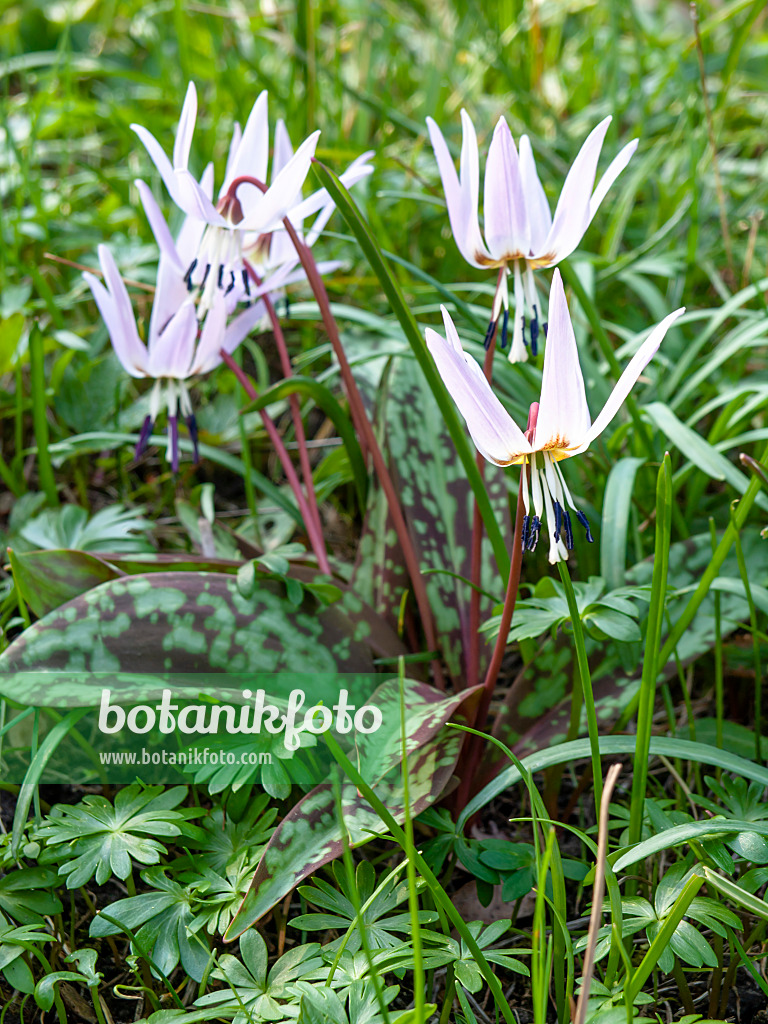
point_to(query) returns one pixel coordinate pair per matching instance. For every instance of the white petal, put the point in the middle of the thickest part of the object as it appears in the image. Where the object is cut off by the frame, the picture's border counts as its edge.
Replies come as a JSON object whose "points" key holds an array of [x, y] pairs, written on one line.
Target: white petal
{"points": [[253, 151], [115, 308], [182, 186], [563, 411], [572, 216], [504, 214], [539, 216], [461, 197], [211, 337], [234, 145], [186, 129], [615, 168], [283, 150], [170, 294], [265, 212], [627, 380], [159, 227], [171, 353], [495, 434], [358, 169]]}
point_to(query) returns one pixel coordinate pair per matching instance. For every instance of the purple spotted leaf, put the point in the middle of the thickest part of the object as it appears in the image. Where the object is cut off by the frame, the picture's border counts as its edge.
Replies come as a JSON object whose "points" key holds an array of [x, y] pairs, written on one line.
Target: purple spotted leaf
{"points": [[48, 579], [181, 623], [311, 835]]}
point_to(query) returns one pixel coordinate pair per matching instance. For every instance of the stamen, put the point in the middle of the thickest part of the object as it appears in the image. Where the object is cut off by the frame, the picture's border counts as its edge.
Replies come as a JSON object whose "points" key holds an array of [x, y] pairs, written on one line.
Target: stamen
{"points": [[504, 324], [231, 283], [535, 530], [205, 275], [545, 328], [192, 428], [534, 331], [173, 440], [585, 523], [146, 430], [287, 308], [246, 283], [558, 519], [220, 281], [568, 529], [522, 321], [524, 532], [489, 335], [189, 273]]}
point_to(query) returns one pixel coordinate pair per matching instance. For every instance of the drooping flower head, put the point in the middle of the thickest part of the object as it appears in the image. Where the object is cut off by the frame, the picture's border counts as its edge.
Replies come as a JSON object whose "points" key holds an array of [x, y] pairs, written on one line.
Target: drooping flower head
{"points": [[179, 345], [521, 234], [560, 423], [244, 211]]}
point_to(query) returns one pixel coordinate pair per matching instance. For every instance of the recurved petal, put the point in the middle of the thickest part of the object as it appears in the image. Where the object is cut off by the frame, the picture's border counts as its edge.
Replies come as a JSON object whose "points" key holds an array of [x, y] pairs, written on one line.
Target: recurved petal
{"points": [[357, 170], [627, 380], [461, 197], [181, 185], [186, 129], [563, 418], [504, 213], [234, 145], [253, 151], [572, 215], [283, 148], [615, 168], [495, 434], [158, 224], [264, 213], [539, 216], [171, 352], [115, 308]]}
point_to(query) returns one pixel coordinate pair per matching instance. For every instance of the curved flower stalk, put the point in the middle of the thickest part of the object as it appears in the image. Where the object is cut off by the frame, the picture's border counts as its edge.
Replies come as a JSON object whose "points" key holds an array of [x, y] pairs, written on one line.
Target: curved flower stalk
{"points": [[178, 346], [559, 425], [243, 213], [520, 232]]}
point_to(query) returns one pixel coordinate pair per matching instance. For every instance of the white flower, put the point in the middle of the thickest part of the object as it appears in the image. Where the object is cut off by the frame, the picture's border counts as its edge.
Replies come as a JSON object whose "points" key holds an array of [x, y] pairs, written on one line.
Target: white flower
{"points": [[244, 211], [560, 426], [520, 231], [178, 345]]}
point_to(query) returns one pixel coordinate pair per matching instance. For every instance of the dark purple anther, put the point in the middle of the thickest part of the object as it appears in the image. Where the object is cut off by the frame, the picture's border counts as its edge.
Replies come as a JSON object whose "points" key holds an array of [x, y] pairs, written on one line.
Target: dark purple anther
{"points": [[567, 529], [489, 335], [192, 428], [173, 427], [504, 325], [146, 430], [534, 331], [524, 533], [585, 523], [558, 519], [246, 283]]}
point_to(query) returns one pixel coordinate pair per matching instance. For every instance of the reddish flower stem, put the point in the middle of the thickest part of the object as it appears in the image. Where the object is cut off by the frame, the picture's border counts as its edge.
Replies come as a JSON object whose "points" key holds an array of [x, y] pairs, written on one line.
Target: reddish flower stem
{"points": [[365, 430], [313, 532], [298, 425]]}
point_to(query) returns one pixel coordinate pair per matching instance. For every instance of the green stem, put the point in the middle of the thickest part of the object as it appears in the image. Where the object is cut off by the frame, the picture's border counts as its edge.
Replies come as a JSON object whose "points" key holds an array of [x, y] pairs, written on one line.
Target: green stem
{"points": [[586, 681], [740, 561], [719, 696], [39, 415], [652, 641]]}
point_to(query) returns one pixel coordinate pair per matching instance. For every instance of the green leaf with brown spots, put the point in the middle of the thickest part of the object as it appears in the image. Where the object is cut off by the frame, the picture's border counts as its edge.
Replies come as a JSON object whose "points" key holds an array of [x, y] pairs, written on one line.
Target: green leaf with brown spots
{"points": [[311, 834], [188, 622], [438, 505], [48, 579]]}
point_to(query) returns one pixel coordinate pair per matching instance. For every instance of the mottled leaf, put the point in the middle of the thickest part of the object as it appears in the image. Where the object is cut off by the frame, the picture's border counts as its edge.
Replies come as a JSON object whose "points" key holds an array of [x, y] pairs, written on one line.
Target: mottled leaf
{"points": [[311, 835], [48, 579]]}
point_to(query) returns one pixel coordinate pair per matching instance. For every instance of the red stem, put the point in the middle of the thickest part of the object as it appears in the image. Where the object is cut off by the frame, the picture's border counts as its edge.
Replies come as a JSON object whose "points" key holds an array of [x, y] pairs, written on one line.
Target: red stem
{"points": [[298, 425], [315, 536], [475, 744], [365, 429], [473, 657]]}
